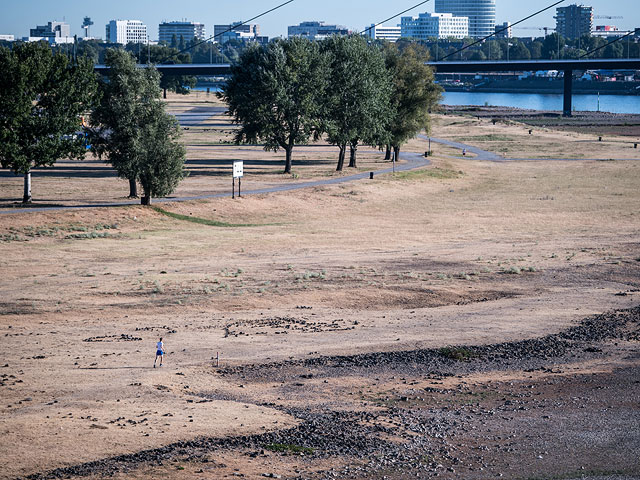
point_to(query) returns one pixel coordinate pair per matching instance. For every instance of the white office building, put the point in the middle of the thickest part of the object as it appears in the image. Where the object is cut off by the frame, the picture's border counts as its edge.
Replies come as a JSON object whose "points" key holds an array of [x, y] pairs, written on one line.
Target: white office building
{"points": [[316, 30], [434, 25], [52, 32], [187, 30], [391, 34], [7, 38], [247, 32], [126, 31], [481, 14]]}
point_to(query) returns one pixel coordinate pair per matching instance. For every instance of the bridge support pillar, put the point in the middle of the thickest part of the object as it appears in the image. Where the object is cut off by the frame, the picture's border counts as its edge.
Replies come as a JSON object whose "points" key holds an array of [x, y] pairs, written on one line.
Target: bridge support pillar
{"points": [[568, 93]]}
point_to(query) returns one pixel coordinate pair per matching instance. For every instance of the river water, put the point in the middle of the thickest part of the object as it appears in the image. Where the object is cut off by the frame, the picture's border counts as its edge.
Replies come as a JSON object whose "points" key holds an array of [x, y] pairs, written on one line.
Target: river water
{"points": [[535, 101], [608, 103]]}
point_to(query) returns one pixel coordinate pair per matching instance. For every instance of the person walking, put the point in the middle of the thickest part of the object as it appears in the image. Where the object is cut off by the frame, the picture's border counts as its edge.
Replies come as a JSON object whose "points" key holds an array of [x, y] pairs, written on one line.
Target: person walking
{"points": [[159, 352]]}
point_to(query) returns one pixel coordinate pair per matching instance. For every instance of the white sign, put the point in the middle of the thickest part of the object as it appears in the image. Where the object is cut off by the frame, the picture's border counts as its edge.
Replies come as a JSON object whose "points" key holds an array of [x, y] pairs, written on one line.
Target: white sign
{"points": [[237, 170]]}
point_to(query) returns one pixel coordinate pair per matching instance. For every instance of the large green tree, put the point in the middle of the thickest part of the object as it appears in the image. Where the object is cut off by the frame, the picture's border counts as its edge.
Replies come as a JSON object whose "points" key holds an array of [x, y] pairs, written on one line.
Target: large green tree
{"points": [[156, 54], [275, 93], [415, 93], [42, 99], [132, 130], [358, 100]]}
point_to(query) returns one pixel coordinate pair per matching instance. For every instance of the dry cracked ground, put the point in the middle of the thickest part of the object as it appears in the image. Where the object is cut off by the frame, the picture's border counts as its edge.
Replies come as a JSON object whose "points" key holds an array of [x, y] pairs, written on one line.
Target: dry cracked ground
{"points": [[469, 319]]}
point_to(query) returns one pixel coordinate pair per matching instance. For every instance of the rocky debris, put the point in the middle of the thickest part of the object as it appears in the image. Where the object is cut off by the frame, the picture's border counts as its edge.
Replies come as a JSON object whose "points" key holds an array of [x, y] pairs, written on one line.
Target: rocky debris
{"points": [[413, 430], [285, 325], [447, 361], [123, 337], [166, 329]]}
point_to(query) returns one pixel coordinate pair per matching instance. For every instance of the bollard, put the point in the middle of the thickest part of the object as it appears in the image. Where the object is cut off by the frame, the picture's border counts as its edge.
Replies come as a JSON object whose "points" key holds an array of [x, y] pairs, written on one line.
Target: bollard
{"points": [[370, 175], [599, 139], [635, 145]]}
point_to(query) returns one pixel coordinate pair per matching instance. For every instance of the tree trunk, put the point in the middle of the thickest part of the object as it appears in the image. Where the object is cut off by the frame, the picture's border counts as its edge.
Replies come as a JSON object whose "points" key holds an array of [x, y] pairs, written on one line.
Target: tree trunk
{"points": [[396, 152], [352, 157], [287, 164], [133, 188], [26, 198], [387, 156], [341, 155], [164, 93], [145, 200]]}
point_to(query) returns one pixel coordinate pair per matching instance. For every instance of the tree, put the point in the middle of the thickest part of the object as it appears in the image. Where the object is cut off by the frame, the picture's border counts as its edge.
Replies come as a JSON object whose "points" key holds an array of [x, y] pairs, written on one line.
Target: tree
{"points": [[42, 99], [157, 54], [275, 94], [415, 93], [492, 50], [536, 49], [552, 46], [131, 129], [161, 155], [613, 50], [477, 55], [358, 100], [520, 51]]}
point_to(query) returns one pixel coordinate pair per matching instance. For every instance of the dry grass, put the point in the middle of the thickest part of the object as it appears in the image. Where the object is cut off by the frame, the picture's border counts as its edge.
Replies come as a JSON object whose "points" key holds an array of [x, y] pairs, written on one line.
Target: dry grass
{"points": [[415, 260]]}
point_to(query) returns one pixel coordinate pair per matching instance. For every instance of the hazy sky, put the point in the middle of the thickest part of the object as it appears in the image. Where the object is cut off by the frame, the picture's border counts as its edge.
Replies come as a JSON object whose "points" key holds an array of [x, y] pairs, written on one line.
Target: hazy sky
{"points": [[17, 17]]}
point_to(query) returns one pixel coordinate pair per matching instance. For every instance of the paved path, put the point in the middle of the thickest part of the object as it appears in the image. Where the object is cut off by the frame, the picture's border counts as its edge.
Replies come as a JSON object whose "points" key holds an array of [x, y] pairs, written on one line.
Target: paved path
{"points": [[485, 155], [197, 116], [413, 161], [480, 154]]}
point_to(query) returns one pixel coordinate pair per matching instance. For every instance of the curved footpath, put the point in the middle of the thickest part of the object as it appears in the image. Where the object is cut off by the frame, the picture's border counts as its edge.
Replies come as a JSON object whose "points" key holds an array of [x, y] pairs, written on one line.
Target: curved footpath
{"points": [[414, 160], [484, 155]]}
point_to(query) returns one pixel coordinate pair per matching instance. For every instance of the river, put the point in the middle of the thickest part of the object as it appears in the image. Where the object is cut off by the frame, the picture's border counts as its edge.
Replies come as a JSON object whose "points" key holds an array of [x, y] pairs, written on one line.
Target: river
{"points": [[536, 101]]}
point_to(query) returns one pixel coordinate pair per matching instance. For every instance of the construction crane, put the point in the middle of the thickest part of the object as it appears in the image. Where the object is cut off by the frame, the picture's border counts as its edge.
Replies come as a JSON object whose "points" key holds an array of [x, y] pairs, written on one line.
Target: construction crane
{"points": [[546, 29]]}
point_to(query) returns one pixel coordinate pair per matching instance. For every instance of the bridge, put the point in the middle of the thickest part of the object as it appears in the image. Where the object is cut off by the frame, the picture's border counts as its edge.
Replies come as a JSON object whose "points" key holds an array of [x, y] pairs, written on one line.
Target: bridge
{"points": [[566, 66]]}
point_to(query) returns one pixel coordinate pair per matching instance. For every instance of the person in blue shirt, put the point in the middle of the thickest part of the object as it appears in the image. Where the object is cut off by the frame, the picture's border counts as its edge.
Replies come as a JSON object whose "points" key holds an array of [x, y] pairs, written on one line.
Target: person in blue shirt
{"points": [[159, 352]]}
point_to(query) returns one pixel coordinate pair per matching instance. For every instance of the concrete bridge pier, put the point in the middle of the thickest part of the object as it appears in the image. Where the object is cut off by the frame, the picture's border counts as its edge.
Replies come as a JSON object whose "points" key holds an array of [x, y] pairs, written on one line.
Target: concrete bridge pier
{"points": [[568, 93]]}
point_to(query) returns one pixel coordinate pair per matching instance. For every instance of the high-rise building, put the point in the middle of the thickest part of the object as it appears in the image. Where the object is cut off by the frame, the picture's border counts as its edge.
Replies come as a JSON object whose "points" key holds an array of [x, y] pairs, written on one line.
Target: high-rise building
{"points": [[481, 14], [316, 30], [126, 31], [504, 30], [187, 30], [574, 21], [53, 32], [434, 25], [391, 34]]}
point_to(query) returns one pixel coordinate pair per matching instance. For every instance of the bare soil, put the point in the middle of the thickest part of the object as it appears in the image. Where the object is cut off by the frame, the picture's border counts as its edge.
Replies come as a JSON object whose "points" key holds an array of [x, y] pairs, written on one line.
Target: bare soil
{"points": [[422, 324]]}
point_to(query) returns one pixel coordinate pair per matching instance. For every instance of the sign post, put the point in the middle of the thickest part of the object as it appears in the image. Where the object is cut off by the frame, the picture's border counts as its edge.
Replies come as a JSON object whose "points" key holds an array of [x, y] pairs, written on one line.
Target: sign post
{"points": [[237, 173]]}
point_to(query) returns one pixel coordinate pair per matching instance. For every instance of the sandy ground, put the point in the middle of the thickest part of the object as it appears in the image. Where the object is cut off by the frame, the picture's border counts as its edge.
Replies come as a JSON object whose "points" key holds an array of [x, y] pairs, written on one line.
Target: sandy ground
{"points": [[459, 253]]}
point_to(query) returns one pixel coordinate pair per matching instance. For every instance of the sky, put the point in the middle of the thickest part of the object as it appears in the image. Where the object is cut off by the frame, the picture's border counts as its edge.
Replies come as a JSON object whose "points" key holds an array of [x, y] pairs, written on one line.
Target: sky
{"points": [[17, 17]]}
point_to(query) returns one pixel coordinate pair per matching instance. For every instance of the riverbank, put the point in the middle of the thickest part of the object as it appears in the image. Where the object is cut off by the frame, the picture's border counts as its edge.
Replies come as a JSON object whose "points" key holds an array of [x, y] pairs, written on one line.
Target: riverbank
{"points": [[598, 123]]}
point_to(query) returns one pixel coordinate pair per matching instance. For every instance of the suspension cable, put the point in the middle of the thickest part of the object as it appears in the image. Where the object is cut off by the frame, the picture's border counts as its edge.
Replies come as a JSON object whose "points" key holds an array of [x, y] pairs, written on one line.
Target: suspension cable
{"points": [[231, 28]]}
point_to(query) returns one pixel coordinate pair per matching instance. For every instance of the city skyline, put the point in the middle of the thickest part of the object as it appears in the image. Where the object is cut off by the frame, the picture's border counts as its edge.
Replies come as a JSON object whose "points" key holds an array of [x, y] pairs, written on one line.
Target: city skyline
{"points": [[356, 15]]}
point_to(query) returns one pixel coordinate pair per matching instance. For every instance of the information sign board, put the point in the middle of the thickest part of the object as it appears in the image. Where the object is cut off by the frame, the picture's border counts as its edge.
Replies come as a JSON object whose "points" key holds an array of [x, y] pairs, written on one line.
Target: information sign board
{"points": [[237, 170]]}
